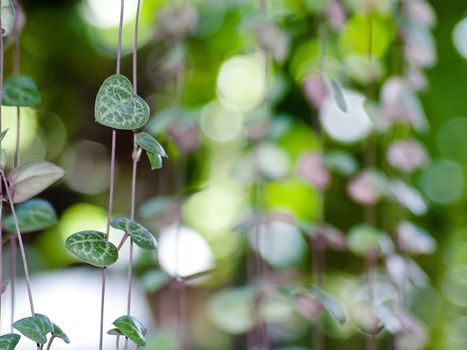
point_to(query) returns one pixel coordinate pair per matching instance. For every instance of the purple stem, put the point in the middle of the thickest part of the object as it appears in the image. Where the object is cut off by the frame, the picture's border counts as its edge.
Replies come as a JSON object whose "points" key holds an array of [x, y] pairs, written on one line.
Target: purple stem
{"points": [[13, 248], [135, 158], [20, 241], [112, 179]]}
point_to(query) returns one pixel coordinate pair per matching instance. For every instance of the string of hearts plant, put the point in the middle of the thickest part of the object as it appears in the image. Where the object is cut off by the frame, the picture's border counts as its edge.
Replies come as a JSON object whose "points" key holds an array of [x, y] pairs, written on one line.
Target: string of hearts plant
{"points": [[18, 188], [119, 107]]}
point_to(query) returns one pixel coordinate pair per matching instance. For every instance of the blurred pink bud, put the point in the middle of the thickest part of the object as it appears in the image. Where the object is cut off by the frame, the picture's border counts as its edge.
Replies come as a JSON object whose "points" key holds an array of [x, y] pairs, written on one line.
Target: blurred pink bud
{"points": [[417, 79], [407, 155], [177, 22], [312, 169], [258, 131], [420, 12], [272, 40], [336, 14], [413, 335], [419, 47], [315, 90], [391, 94], [396, 267], [330, 236], [409, 197], [185, 137], [309, 307], [362, 189], [414, 240]]}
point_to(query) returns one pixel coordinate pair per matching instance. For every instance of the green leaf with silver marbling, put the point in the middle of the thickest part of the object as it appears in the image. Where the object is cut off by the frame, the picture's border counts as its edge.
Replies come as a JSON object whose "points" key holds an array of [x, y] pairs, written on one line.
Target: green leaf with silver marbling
{"points": [[117, 107], [21, 91], [33, 215], [91, 247], [138, 233], [131, 328], [35, 327], [9, 341], [150, 144]]}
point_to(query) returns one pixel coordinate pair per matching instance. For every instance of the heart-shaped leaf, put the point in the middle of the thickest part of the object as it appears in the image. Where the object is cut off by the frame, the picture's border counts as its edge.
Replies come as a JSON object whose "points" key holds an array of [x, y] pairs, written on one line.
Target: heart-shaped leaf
{"points": [[31, 178], [140, 235], [92, 248], [150, 144], [57, 332], [35, 327], [33, 215], [8, 17], [155, 160], [117, 106], [21, 91], [131, 328], [9, 341]]}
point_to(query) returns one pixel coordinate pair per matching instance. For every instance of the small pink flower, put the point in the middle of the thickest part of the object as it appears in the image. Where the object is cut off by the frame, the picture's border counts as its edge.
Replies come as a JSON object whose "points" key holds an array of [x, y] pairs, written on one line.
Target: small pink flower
{"points": [[315, 90], [407, 155], [312, 169], [362, 189]]}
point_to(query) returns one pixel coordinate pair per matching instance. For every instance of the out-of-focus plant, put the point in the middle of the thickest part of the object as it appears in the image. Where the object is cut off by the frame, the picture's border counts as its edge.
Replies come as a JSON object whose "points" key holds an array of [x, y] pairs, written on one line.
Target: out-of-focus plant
{"points": [[19, 186]]}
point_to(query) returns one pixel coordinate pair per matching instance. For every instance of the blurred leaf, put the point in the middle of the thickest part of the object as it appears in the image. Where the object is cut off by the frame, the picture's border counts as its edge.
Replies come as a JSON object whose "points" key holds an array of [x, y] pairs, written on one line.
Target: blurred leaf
{"points": [[363, 239], [35, 328], [154, 280], [117, 107], [150, 144], [33, 215], [92, 248], [21, 91], [131, 328], [156, 206], [338, 95], [330, 304], [140, 235], [9, 341], [232, 310], [162, 340], [31, 178], [341, 162], [8, 17]]}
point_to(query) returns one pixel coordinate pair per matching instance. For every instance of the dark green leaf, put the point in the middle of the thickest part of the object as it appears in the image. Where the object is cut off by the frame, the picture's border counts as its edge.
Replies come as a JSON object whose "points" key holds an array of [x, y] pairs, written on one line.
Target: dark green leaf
{"points": [[21, 91], [9, 341], [117, 106], [140, 235], [3, 134], [155, 160], [131, 328], [35, 328], [33, 215], [31, 178], [150, 144], [92, 248]]}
